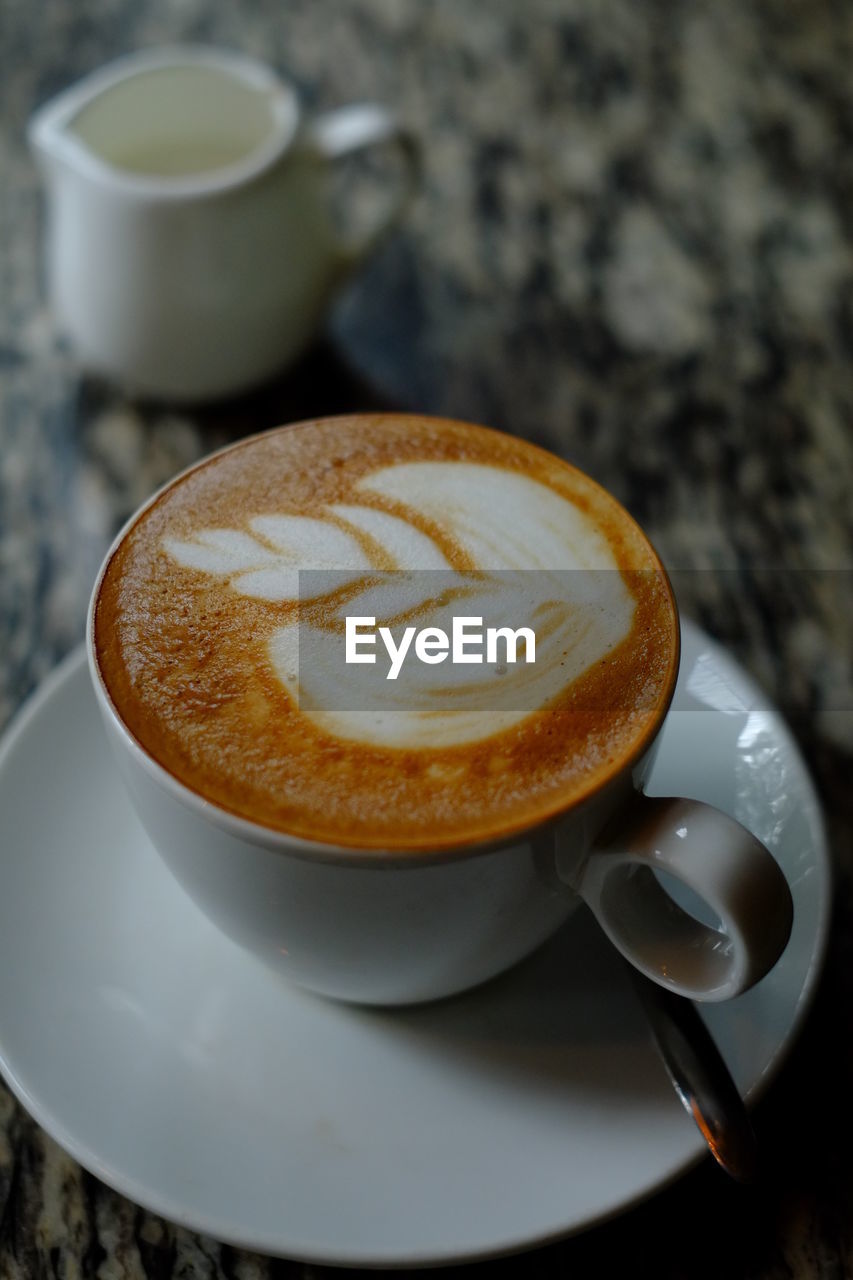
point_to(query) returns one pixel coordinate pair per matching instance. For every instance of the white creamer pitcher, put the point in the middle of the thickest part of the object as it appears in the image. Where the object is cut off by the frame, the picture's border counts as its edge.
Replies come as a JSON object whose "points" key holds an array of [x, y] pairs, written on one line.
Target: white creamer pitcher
{"points": [[191, 249]]}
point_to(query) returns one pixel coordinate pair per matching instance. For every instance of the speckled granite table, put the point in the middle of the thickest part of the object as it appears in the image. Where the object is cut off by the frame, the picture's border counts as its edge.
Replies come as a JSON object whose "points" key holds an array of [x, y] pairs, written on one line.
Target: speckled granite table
{"points": [[634, 246]]}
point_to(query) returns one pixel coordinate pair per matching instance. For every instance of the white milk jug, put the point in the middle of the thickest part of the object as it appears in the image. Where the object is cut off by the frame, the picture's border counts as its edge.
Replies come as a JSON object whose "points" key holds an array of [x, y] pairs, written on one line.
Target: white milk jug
{"points": [[191, 249]]}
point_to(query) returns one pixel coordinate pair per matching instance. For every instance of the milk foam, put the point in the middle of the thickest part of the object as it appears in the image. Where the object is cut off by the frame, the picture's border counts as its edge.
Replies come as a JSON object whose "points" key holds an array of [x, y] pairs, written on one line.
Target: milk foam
{"points": [[495, 520]]}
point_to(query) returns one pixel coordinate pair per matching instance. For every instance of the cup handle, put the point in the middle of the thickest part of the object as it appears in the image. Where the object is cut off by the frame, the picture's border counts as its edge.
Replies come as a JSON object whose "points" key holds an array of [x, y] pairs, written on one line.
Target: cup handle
{"points": [[353, 129], [714, 857]]}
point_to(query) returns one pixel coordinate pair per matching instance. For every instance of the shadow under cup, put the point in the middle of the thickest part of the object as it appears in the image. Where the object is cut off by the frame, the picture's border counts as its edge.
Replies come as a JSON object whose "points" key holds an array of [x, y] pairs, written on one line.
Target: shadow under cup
{"points": [[374, 922]]}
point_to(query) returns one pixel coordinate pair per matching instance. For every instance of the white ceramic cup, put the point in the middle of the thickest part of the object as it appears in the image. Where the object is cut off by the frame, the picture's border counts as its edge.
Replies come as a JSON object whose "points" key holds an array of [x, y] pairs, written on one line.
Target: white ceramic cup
{"points": [[191, 251], [385, 927]]}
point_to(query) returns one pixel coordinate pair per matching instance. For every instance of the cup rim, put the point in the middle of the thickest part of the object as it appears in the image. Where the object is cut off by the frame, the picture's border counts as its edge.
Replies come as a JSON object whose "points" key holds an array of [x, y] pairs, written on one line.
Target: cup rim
{"points": [[276, 838], [51, 121]]}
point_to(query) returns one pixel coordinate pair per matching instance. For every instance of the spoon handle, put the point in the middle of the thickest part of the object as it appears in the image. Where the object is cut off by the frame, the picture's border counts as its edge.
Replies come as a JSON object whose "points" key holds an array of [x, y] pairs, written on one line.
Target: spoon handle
{"points": [[700, 1077]]}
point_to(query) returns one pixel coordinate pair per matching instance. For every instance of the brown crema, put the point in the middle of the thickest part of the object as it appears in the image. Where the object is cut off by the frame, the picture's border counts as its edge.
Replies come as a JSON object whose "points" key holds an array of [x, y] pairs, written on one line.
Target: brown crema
{"points": [[185, 658]]}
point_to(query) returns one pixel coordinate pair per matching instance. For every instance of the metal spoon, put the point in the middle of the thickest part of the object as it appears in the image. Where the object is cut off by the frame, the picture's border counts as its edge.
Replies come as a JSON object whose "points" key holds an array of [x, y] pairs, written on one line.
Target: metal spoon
{"points": [[700, 1077]]}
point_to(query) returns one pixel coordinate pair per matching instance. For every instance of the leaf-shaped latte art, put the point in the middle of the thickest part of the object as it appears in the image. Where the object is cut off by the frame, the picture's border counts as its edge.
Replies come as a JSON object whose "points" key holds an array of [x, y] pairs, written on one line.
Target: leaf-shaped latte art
{"points": [[501, 521]]}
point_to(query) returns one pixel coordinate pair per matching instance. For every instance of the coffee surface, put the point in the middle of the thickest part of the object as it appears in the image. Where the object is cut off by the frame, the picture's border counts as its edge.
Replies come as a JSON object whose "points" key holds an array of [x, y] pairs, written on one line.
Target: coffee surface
{"points": [[200, 622]]}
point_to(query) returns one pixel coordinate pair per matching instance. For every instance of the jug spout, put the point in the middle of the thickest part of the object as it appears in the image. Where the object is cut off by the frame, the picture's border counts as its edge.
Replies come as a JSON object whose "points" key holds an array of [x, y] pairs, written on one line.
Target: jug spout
{"points": [[47, 133], [53, 139]]}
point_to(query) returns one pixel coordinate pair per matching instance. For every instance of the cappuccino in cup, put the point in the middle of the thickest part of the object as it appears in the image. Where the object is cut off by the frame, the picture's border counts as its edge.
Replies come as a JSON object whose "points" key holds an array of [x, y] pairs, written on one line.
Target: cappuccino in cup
{"points": [[216, 599], [405, 836]]}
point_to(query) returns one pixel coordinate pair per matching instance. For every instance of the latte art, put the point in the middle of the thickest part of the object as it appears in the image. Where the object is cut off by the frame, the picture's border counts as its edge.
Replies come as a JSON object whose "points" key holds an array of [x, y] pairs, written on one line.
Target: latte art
{"points": [[221, 618], [583, 615]]}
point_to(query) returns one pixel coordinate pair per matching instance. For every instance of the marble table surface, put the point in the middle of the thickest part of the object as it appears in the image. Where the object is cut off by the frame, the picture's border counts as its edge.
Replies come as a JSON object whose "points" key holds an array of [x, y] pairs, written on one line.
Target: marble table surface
{"points": [[633, 245]]}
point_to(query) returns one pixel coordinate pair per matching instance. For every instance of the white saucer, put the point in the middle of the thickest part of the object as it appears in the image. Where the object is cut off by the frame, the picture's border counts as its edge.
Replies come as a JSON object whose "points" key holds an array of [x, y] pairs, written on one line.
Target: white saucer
{"points": [[186, 1076]]}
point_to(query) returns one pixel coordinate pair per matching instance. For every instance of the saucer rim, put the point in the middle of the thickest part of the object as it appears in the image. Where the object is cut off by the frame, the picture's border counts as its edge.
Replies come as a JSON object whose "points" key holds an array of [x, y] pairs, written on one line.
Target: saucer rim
{"points": [[147, 1198]]}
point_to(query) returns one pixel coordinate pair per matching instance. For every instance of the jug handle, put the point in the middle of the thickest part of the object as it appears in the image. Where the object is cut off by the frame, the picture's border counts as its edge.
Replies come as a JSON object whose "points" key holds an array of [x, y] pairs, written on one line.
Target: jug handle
{"points": [[357, 128]]}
